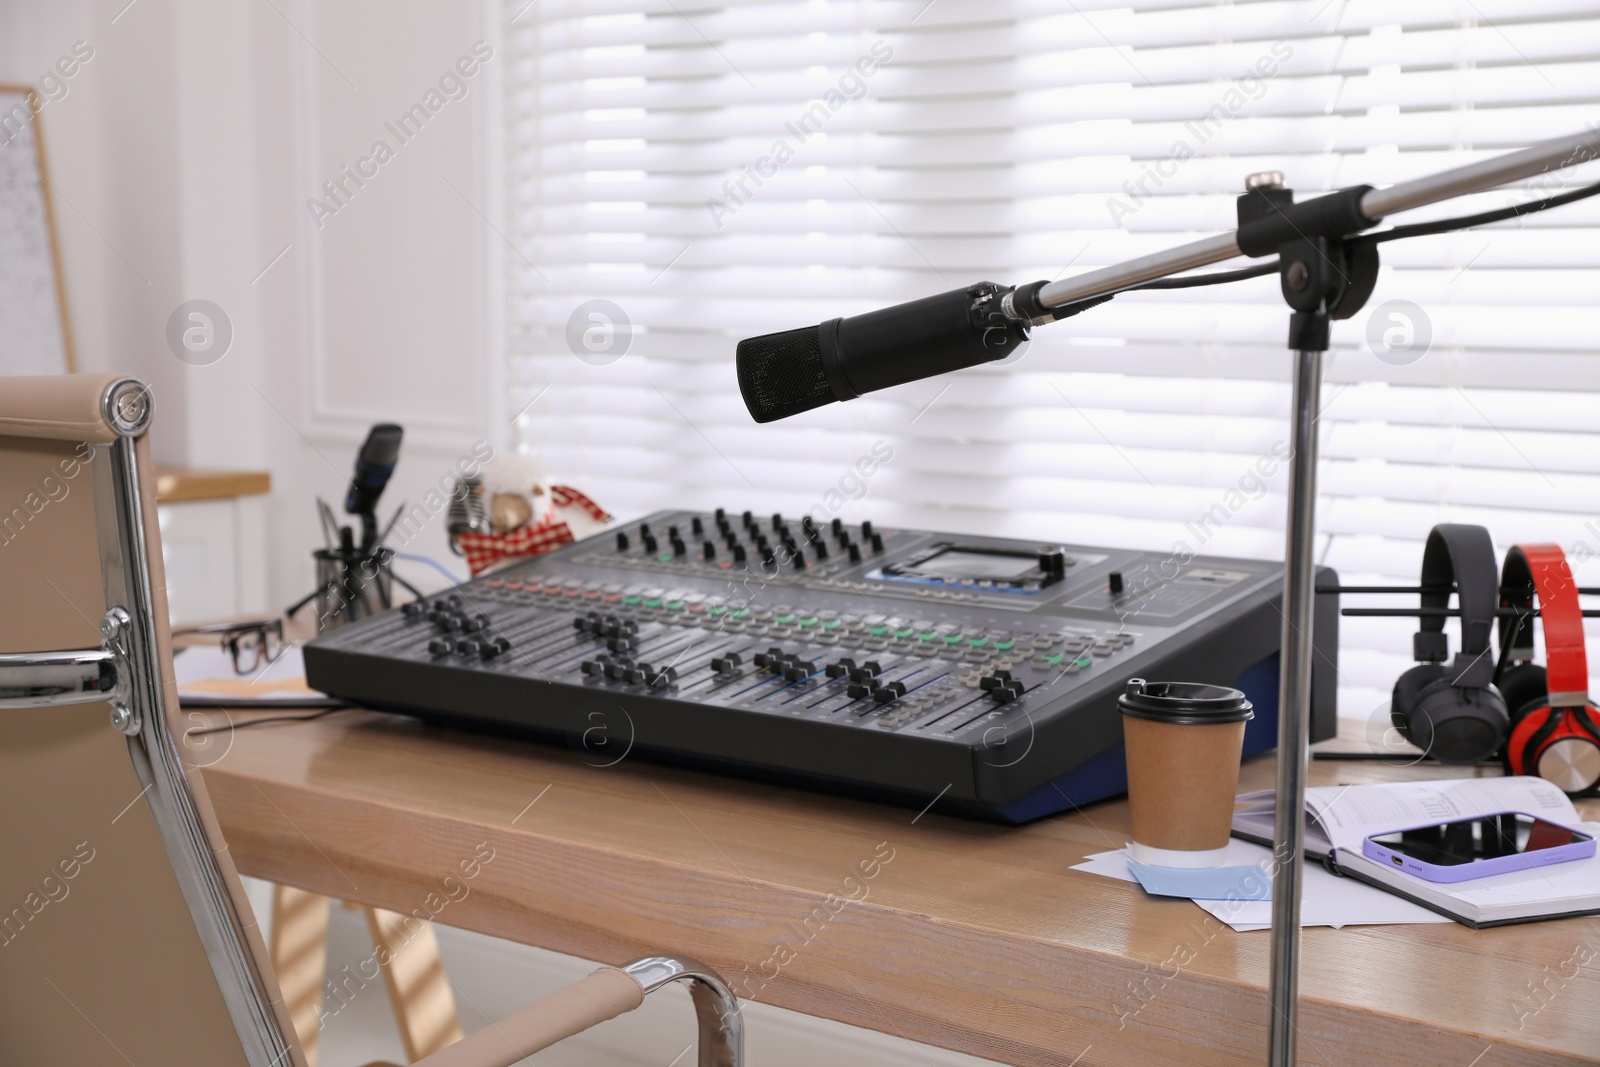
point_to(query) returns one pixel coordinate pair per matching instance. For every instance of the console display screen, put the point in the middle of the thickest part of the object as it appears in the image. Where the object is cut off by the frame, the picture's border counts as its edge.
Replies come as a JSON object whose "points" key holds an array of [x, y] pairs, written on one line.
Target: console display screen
{"points": [[966, 563]]}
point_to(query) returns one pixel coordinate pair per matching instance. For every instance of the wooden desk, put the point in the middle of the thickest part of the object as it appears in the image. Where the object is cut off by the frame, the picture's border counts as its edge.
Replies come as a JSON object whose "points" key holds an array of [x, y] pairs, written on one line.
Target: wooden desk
{"points": [[972, 937]]}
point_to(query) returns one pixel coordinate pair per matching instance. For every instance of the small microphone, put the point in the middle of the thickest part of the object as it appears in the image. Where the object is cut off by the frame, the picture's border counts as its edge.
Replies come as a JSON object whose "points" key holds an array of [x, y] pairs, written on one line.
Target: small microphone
{"points": [[374, 464], [783, 374]]}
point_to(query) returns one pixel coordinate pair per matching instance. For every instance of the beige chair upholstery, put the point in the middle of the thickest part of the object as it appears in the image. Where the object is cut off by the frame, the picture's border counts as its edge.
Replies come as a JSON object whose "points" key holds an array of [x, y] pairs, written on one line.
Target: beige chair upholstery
{"points": [[125, 935]]}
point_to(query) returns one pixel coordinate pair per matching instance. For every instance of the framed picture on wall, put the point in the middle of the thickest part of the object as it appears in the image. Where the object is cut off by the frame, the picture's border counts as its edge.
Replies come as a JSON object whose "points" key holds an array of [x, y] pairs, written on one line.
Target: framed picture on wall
{"points": [[35, 332]]}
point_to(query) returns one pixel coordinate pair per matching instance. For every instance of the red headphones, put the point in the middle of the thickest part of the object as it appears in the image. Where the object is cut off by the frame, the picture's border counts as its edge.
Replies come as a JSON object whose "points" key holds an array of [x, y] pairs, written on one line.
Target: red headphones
{"points": [[1555, 727]]}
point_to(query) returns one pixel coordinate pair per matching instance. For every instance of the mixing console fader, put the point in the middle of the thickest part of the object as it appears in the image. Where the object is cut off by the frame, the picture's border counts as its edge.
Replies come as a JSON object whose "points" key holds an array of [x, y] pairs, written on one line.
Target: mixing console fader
{"points": [[894, 663]]}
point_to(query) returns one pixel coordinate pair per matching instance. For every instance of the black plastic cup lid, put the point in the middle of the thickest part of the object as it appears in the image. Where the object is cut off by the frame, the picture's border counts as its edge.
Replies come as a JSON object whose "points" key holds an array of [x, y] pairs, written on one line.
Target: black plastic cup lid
{"points": [[1184, 703]]}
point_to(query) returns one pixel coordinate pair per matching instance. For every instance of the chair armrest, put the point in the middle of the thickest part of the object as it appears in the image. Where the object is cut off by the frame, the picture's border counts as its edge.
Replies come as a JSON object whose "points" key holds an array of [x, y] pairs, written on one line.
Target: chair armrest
{"points": [[603, 995]]}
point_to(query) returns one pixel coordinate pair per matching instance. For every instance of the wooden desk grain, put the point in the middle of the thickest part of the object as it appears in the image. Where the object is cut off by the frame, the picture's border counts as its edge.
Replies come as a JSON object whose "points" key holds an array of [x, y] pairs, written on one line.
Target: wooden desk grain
{"points": [[964, 935]]}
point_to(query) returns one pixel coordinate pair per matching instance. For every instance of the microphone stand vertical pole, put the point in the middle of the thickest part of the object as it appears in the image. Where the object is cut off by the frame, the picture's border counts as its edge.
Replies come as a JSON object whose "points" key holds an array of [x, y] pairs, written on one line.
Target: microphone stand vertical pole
{"points": [[1294, 705]]}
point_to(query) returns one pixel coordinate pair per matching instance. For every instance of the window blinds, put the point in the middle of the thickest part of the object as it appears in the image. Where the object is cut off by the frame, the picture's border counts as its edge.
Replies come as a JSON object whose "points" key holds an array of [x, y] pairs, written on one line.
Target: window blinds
{"points": [[714, 172]]}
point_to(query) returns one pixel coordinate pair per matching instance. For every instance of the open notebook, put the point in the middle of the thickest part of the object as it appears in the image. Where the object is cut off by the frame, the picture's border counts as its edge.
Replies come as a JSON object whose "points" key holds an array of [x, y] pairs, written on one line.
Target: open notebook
{"points": [[1340, 818]]}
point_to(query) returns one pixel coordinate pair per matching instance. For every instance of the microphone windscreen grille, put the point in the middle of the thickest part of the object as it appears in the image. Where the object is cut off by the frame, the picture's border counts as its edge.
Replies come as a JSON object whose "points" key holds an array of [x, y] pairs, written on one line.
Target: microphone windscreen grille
{"points": [[780, 374]]}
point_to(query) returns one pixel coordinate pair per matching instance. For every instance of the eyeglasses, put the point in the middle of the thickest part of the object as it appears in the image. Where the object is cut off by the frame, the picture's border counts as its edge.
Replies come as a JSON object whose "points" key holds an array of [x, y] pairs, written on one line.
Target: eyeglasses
{"points": [[253, 644]]}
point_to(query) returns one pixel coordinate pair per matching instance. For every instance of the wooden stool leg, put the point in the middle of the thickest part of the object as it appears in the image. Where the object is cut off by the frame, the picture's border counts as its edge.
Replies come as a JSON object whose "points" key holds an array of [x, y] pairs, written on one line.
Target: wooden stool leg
{"points": [[424, 1007], [300, 956]]}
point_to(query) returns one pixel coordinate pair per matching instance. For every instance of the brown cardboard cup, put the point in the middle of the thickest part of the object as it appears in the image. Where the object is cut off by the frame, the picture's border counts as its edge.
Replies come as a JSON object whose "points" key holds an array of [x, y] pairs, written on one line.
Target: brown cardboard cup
{"points": [[1183, 744]]}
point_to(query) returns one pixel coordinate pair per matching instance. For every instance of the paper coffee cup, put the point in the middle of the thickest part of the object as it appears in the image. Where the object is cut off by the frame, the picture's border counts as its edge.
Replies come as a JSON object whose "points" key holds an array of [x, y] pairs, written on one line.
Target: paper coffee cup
{"points": [[1183, 742]]}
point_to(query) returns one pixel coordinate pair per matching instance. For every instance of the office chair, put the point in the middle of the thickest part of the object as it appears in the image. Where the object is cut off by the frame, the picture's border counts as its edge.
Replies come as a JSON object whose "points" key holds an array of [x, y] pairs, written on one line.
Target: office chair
{"points": [[125, 935]]}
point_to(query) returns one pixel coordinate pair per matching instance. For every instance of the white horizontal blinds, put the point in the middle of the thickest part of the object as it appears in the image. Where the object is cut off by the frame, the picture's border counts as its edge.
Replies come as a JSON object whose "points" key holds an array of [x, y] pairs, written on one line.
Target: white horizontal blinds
{"points": [[685, 164]]}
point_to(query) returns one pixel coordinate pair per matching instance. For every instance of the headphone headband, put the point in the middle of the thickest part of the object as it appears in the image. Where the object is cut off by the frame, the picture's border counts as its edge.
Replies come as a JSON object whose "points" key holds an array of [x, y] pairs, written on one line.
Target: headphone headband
{"points": [[1463, 556], [1543, 569]]}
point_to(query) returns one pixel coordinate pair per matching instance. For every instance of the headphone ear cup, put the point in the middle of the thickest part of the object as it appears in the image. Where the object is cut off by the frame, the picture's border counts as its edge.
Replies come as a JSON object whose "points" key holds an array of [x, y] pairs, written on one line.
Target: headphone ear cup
{"points": [[1459, 725], [1407, 692], [1524, 687]]}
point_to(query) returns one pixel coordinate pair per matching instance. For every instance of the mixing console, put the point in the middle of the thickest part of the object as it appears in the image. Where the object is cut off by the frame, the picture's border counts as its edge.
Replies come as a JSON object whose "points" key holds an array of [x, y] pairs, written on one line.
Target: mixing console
{"points": [[896, 663]]}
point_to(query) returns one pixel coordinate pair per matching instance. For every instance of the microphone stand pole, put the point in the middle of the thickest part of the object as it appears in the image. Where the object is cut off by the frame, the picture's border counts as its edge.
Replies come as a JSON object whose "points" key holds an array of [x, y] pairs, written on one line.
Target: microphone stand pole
{"points": [[1321, 279]]}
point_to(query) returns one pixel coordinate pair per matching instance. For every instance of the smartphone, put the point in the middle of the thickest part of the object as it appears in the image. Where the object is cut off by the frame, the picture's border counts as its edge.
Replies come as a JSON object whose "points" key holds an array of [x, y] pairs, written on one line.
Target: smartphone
{"points": [[1478, 847]]}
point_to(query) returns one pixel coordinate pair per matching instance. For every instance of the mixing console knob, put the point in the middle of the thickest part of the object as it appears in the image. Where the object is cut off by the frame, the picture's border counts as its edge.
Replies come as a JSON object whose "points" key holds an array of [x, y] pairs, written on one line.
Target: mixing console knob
{"points": [[721, 516], [644, 529], [414, 607], [622, 541], [855, 553], [796, 674], [767, 556], [866, 530], [749, 518], [738, 553], [1053, 560], [620, 644], [724, 664], [697, 526], [890, 692], [498, 647], [672, 533], [476, 623], [454, 624], [678, 547], [837, 526], [820, 549], [593, 667], [777, 521], [633, 676], [708, 551], [467, 646], [799, 558], [650, 544], [1115, 582], [809, 525], [841, 668], [439, 647], [877, 542], [664, 677]]}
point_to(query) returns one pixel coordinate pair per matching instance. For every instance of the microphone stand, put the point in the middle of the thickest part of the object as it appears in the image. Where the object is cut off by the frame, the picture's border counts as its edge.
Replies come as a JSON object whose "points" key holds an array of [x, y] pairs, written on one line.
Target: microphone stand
{"points": [[1321, 279]]}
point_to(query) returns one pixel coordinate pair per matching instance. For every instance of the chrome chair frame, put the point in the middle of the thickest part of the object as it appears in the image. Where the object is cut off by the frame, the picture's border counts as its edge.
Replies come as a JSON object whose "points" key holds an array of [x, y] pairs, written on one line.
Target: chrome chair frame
{"points": [[126, 670]]}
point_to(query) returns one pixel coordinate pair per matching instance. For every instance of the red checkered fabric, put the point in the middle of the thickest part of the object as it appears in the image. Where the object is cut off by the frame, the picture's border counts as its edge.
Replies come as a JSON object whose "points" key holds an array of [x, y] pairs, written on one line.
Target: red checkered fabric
{"points": [[485, 549]]}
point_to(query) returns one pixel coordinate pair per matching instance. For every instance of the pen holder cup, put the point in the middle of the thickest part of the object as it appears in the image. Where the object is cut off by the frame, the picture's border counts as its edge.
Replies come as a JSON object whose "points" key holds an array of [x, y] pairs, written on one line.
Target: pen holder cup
{"points": [[351, 585]]}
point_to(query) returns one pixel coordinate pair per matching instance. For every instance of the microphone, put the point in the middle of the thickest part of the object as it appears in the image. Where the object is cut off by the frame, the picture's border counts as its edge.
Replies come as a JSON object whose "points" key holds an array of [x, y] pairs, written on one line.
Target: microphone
{"points": [[783, 374], [374, 464]]}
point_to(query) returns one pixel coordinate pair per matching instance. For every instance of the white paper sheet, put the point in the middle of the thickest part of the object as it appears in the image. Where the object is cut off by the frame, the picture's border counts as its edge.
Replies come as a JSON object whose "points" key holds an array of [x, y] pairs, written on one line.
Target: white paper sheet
{"points": [[1326, 899]]}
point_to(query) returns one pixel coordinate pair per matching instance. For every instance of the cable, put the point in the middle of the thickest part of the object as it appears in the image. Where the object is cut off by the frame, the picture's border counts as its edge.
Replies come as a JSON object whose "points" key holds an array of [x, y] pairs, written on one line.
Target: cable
{"points": [[1425, 229], [435, 564], [230, 725], [1189, 281], [1421, 229]]}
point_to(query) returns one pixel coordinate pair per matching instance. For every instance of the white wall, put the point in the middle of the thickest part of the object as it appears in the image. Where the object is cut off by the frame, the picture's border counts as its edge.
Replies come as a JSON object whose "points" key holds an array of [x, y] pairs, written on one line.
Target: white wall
{"points": [[184, 153]]}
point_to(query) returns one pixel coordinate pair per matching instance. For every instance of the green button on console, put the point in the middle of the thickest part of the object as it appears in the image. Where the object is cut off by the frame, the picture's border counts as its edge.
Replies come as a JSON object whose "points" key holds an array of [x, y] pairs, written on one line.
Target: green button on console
{"points": [[1054, 660], [742, 613], [1005, 646], [929, 636], [630, 600], [952, 639], [878, 631], [831, 624], [978, 642], [653, 602], [719, 609], [665, 557], [809, 620], [903, 634], [785, 620], [674, 605]]}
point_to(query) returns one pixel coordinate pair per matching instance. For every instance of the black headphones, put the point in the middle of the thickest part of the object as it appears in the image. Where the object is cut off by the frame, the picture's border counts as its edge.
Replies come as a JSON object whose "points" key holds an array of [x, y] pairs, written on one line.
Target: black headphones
{"points": [[1454, 713]]}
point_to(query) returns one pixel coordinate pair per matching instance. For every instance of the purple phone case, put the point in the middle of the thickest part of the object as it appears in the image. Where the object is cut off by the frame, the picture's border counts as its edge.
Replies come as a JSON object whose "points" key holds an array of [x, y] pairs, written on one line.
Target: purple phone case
{"points": [[1466, 872]]}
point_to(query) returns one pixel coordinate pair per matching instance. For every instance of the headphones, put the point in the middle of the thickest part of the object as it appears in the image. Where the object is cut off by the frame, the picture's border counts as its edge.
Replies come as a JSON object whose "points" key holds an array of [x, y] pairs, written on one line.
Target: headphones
{"points": [[1555, 727], [1454, 713]]}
